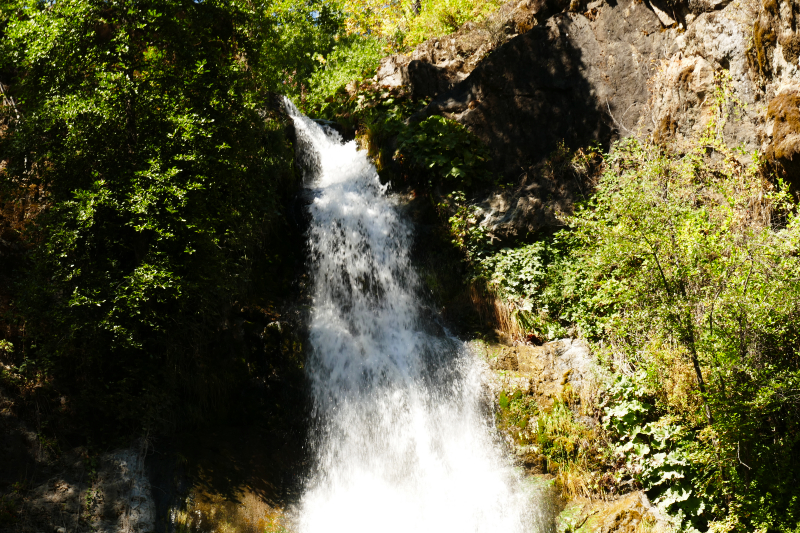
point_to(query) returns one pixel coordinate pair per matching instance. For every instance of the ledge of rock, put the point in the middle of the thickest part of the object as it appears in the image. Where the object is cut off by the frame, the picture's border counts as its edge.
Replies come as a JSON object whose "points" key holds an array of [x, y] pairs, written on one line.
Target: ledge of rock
{"points": [[553, 371], [437, 64], [630, 513], [107, 495]]}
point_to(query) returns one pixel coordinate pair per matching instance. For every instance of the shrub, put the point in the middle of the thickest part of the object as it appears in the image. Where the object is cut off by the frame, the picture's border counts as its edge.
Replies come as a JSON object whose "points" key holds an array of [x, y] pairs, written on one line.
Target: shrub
{"points": [[351, 60], [438, 18], [654, 451], [689, 262], [439, 152], [402, 24]]}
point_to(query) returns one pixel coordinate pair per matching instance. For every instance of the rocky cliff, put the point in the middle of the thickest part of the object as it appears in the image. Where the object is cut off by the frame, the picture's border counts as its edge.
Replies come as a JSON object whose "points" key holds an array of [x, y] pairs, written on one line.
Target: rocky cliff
{"points": [[542, 73]]}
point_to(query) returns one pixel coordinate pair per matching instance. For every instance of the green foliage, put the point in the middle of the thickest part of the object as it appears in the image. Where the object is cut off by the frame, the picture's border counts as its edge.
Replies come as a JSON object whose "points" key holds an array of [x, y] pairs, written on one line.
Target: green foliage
{"points": [[689, 270], [401, 27], [143, 124], [438, 18], [443, 153], [542, 281], [562, 438], [351, 60], [294, 38], [564, 446], [655, 452], [704, 256], [467, 235], [6, 346]]}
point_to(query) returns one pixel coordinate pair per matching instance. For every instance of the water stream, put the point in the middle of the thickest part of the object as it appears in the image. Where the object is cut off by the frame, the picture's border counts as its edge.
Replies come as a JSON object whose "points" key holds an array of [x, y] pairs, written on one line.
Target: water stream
{"points": [[401, 437]]}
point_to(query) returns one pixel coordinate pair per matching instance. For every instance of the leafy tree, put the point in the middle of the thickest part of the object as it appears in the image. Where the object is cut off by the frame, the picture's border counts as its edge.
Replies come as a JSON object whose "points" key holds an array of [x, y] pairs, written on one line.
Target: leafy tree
{"points": [[407, 23], [352, 59], [143, 123], [295, 38]]}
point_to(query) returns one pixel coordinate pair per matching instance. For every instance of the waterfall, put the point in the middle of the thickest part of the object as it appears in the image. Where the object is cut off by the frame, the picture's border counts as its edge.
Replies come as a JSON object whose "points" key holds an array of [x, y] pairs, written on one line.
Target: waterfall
{"points": [[401, 438]]}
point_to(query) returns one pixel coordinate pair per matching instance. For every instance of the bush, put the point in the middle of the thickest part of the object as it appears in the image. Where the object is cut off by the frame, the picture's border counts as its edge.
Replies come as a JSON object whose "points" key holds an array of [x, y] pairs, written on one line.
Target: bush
{"points": [[438, 18], [687, 269], [543, 282], [401, 27], [439, 152], [655, 451], [352, 60]]}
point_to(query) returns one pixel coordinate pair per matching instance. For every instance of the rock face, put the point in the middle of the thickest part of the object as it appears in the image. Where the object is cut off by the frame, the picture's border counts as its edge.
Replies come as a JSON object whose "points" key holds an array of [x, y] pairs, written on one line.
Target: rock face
{"points": [[438, 64], [709, 60], [108, 495], [538, 377], [571, 79], [784, 115], [774, 58], [549, 372], [576, 73]]}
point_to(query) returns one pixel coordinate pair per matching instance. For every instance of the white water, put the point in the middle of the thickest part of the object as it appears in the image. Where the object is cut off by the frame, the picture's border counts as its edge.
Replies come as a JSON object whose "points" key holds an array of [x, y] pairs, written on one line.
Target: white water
{"points": [[401, 438]]}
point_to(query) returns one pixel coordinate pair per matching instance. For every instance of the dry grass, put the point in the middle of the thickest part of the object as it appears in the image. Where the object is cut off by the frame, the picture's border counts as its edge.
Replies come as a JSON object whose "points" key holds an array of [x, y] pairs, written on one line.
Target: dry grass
{"points": [[676, 381], [493, 310], [566, 447], [250, 514]]}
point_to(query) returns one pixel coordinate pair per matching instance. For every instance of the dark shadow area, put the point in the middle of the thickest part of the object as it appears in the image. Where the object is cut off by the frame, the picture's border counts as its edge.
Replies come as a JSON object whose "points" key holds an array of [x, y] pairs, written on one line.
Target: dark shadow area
{"points": [[572, 80], [224, 464], [548, 94], [258, 449], [442, 271], [531, 94]]}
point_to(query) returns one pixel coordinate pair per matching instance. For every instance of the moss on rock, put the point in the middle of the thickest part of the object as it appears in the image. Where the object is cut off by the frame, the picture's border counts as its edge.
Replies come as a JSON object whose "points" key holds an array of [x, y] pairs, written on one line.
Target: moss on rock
{"points": [[784, 151]]}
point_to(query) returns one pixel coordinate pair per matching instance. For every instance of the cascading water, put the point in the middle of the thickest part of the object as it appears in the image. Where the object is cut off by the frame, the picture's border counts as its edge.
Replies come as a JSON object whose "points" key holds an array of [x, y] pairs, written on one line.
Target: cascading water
{"points": [[401, 439]]}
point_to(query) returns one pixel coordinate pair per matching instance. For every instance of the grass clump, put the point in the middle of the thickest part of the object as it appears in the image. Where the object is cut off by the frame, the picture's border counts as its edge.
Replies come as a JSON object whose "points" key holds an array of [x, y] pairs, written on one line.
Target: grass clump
{"points": [[558, 443]]}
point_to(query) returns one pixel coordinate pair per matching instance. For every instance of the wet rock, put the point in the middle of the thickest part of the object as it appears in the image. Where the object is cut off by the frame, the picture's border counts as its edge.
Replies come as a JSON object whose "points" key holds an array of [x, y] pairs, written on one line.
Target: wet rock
{"points": [[509, 215], [114, 495], [530, 459], [506, 360]]}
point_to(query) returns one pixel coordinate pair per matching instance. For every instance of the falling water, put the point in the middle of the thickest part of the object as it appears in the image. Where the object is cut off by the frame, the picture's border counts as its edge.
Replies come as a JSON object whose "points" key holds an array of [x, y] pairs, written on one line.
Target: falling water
{"points": [[401, 438]]}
